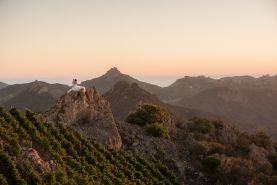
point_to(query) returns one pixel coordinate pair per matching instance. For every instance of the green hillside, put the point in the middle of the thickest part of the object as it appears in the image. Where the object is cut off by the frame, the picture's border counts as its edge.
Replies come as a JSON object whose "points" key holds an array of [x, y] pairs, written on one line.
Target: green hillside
{"points": [[74, 159]]}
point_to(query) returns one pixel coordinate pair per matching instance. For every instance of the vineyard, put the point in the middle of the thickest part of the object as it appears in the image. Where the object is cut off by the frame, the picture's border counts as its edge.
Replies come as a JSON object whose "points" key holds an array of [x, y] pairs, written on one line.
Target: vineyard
{"points": [[76, 159]]}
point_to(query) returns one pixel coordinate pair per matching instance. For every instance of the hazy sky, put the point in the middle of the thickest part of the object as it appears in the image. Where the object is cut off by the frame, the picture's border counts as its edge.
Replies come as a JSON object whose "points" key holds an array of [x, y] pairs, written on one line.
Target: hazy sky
{"points": [[154, 40]]}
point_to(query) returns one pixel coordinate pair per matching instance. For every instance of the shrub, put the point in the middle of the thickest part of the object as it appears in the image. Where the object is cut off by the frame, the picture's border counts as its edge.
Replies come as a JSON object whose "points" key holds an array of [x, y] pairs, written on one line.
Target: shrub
{"points": [[210, 163], [3, 180], [203, 126], [198, 149], [216, 148], [261, 139], [243, 143], [218, 124], [147, 114], [235, 170], [157, 130]]}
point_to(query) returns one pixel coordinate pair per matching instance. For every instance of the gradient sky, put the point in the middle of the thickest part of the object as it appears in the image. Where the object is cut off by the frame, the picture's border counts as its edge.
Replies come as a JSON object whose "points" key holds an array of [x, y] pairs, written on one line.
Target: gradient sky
{"points": [[154, 40]]}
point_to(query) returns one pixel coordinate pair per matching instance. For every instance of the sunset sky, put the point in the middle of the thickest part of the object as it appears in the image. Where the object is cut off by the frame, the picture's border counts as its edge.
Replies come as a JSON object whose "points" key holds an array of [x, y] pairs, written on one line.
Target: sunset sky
{"points": [[153, 40]]}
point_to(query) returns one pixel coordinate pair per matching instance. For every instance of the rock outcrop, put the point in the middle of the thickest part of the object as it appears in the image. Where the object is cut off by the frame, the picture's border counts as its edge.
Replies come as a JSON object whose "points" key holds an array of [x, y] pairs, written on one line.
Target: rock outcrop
{"points": [[89, 113], [36, 161]]}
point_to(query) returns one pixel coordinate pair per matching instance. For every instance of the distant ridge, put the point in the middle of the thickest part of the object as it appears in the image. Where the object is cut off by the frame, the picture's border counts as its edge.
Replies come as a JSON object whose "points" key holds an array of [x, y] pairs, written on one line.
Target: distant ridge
{"points": [[248, 102], [105, 82], [38, 96], [3, 85]]}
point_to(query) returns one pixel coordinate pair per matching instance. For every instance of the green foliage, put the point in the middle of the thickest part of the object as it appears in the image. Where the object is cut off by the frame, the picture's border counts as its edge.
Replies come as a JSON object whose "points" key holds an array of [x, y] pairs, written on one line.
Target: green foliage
{"points": [[147, 114], [152, 117], [3, 180], [157, 130], [77, 160], [210, 163], [9, 170], [203, 126]]}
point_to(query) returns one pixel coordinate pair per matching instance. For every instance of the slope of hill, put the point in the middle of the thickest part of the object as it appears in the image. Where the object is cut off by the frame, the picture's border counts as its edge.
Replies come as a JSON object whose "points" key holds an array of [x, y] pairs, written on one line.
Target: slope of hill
{"points": [[208, 152], [3, 85], [247, 109], [37, 96], [35, 152], [107, 81], [125, 98]]}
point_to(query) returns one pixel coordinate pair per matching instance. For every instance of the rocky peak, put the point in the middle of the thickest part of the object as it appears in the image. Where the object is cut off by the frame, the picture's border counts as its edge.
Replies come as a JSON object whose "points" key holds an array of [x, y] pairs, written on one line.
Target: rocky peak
{"points": [[37, 87], [113, 72], [89, 113]]}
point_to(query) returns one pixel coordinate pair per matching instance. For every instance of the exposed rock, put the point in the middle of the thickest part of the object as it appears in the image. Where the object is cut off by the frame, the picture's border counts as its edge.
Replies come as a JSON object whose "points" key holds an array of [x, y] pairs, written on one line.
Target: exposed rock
{"points": [[37, 162], [89, 113], [136, 141], [170, 152], [38, 88]]}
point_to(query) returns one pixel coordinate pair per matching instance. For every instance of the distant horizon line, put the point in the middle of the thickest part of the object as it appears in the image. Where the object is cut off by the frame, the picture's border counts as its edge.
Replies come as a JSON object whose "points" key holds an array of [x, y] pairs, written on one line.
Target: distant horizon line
{"points": [[159, 80]]}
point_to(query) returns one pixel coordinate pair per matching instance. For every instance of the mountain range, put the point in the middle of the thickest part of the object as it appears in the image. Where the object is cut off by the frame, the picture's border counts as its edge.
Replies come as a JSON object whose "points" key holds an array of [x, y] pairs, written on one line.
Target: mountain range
{"points": [[247, 102], [85, 138]]}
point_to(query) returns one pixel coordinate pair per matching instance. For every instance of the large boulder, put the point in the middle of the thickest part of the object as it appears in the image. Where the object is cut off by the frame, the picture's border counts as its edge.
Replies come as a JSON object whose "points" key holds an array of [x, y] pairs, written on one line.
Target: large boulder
{"points": [[88, 112]]}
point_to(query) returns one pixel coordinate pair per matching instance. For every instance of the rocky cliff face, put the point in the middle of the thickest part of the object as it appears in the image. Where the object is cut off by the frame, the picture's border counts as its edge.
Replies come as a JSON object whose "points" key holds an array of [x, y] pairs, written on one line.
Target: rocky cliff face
{"points": [[89, 113]]}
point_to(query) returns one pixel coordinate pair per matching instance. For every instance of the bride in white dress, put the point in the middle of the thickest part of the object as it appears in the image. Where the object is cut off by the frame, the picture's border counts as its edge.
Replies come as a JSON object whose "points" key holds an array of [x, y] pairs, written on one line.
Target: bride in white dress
{"points": [[76, 87]]}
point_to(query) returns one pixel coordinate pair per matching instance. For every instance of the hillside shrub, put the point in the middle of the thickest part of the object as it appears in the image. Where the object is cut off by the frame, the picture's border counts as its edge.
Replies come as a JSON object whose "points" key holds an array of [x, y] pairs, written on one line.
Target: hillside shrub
{"points": [[3, 180], [147, 114], [157, 130], [210, 164], [261, 139], [200, 125]]}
